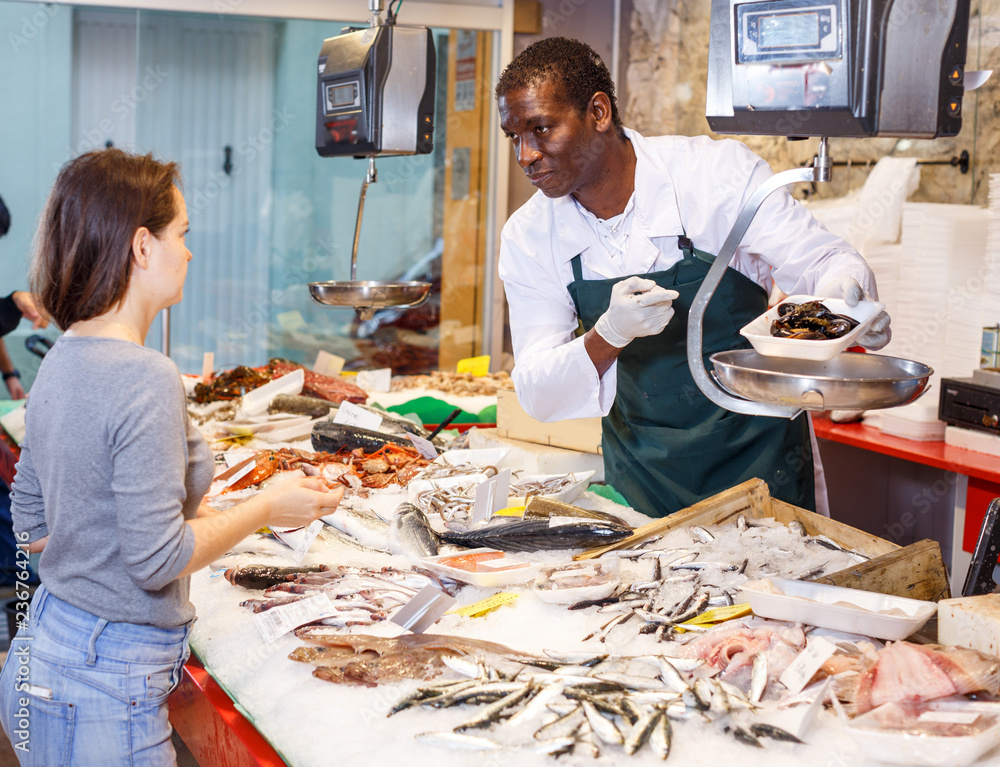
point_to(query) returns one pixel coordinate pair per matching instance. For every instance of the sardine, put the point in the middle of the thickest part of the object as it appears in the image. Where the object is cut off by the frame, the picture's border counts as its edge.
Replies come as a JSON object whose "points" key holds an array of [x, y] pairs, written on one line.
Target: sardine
{"points": [[537, 534], [562, 727], [604, 728], [495, 711], [660, 737], [410, 533], [758, 678], [764, 730], [641, 730]]}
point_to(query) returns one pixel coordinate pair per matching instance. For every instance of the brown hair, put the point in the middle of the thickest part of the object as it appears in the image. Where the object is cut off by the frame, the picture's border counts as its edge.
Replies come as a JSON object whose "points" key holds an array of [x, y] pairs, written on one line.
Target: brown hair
{"points": [[82, 258]]}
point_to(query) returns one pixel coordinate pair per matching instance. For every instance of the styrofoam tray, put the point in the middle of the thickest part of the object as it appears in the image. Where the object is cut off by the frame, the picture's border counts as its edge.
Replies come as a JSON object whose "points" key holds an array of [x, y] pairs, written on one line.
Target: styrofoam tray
{"points": [[758, 332], [487, 456], [925, 750], [550, 587], [835, 607], [523, 573]]}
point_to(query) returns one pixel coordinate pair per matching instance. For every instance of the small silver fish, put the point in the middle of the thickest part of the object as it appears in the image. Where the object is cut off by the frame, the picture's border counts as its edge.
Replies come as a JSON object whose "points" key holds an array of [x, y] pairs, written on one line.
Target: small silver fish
{"points": [[641, 730], [459, 741], [660, 737], [604, 728], [758, 678]]}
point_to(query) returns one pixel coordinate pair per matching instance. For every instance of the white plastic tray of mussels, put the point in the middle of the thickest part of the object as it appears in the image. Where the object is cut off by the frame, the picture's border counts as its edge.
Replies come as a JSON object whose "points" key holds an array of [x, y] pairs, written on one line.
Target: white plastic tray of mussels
{"points": [[758, 332], [834, 607]]}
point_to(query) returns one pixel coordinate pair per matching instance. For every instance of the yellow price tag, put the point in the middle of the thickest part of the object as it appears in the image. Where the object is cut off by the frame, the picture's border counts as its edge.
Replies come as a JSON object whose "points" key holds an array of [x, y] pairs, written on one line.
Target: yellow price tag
{"points": [[478, 366], [510, 511], [484, 606], [717, 615]]}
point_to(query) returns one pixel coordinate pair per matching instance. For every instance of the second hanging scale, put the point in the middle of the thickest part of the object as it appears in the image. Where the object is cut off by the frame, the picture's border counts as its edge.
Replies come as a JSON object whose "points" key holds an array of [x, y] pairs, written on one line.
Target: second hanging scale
{"points": [[375, 97]]}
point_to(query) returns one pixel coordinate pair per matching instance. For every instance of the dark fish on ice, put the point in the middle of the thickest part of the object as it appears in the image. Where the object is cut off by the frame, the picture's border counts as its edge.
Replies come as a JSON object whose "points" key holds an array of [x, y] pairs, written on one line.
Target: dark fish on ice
{"points": [[331, 437], [265, 576], [410, 533], [536, 534]]}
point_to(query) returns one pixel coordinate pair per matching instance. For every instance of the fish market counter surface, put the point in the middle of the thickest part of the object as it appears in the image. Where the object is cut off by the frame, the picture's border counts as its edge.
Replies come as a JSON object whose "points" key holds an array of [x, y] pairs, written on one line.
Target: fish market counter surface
{"points": [[309, 721]]}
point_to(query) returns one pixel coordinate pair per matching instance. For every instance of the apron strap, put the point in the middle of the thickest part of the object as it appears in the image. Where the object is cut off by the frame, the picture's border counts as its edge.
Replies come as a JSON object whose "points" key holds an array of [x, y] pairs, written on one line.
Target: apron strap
{"points": [[577, 267]]}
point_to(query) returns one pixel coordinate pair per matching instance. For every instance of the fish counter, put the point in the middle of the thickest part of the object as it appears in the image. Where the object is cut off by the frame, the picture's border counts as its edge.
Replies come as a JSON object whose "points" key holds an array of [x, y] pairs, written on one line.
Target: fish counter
{"points": [[548, 654]]}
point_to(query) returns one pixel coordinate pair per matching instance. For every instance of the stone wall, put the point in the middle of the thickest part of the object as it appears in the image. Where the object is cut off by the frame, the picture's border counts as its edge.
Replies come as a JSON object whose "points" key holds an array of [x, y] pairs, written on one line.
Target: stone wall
{"points": [[665, 93]]}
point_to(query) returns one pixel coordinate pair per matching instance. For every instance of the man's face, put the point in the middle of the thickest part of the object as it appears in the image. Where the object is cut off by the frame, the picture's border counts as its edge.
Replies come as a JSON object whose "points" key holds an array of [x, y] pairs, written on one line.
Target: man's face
{"points": [[559, 149]]}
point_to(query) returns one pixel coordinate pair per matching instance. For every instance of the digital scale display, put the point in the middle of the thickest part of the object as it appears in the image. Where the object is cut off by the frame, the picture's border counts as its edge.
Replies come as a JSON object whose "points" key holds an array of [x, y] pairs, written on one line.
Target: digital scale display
{"points": [[342, 95], [789, 30]]}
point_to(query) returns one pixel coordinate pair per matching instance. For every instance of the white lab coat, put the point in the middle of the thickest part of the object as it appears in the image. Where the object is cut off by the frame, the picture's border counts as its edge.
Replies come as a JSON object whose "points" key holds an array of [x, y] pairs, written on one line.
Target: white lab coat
{"points": [[694, 186]]}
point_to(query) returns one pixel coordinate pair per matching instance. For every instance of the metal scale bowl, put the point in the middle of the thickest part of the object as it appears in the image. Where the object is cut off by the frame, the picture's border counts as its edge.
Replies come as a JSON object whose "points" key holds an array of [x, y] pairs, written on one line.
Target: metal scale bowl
{"points": [[747, 382]]}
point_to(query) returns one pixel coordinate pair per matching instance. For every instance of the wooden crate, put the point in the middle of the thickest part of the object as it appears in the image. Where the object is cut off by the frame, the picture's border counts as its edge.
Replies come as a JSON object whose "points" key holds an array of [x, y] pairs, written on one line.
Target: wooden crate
{"points": [[915, 571]]}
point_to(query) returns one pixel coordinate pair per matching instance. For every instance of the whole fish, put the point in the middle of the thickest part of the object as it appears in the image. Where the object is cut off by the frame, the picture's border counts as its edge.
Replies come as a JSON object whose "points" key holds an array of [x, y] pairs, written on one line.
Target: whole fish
{"points": [[362, 525], [537, 534], [331, 437], [264, 576], [314, 407], [410, 533]]}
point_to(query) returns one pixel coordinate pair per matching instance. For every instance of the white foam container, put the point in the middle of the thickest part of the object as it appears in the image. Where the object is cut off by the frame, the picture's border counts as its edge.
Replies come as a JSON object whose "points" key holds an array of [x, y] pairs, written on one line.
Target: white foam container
{"points": [[758, 332], [925, 750], [813, 603], [484, 578]]}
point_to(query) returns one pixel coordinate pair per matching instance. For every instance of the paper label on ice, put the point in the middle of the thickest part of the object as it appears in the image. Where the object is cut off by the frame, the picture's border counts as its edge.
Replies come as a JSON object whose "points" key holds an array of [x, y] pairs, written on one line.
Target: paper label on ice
{"points": [[484, 606], [423, 610], [280, 620], [560, 521], [949, 717], [491, 496], [299, 539], [375, 380], [807, 663], [207, 366], [327, 364], [424, 446], [350, 414]]}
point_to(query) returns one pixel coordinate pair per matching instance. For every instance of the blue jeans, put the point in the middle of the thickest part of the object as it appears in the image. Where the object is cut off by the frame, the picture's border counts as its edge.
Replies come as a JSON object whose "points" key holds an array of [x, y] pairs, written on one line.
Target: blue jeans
{"points": [[78, 690]]}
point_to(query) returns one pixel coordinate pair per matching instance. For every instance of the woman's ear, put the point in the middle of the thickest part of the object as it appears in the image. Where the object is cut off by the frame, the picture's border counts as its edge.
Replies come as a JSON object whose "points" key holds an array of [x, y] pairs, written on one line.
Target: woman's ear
{"points": [[141, 247]]}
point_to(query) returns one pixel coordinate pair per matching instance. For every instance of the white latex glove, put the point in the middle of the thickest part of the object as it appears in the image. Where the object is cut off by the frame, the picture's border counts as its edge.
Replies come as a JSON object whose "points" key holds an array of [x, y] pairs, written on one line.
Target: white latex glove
{"points": [[639, 307], [878, 333]]}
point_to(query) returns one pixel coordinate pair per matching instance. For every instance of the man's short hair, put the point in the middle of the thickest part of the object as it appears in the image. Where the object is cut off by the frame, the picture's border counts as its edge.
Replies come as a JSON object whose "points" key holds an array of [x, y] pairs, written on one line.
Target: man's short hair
{"points": [[574, 67]]}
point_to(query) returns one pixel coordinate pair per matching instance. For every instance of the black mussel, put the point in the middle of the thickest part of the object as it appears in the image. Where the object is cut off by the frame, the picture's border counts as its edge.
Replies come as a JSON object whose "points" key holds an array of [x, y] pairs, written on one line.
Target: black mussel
{"points": [[786, 308], [811, 320], [837, 328]]}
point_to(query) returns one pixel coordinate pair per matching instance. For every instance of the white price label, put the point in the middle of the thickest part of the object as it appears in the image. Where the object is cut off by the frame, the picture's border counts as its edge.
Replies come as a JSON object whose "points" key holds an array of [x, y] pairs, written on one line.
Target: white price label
{"points": [[807, 663], [491, 496], [375, 380], [424, 446], [350, 414], [327, 364], [299, 539], [278, 621]]}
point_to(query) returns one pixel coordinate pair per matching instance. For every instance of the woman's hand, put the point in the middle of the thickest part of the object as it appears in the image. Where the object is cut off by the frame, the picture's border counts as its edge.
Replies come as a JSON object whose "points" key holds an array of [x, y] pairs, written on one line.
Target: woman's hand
{"points": [[297, 502]]}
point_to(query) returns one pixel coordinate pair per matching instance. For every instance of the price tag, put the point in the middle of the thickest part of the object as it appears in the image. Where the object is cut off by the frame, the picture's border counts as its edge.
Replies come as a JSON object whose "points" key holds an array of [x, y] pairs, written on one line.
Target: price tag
{"points": [[491, 496], [484, 606], [298, 539], [249, 466], [716, 615], [327, 364], [350, 414], [510, 511], [207, 366], [375, 380], [478, 366], [424, 446], [807, 663], [280, 620], [423, 611]]}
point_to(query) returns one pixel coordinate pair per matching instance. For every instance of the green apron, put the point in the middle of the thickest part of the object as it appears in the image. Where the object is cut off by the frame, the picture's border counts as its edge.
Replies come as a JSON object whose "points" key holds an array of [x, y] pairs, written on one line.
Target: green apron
{"points": [[665, 444]]}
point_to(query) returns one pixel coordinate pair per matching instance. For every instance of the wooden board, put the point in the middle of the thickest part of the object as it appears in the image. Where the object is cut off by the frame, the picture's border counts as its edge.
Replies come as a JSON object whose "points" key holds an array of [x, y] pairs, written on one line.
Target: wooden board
{"points": [[915, 571]]}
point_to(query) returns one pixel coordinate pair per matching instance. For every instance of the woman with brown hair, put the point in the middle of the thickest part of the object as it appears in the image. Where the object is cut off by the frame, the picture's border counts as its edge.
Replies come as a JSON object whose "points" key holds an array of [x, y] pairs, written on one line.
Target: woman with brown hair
{"points": [[111, 477]]}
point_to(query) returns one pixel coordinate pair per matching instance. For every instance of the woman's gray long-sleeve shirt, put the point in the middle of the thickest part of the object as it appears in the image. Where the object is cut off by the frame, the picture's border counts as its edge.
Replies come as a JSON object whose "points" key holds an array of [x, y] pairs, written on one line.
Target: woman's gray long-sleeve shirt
{"points": [[110, 469]]}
